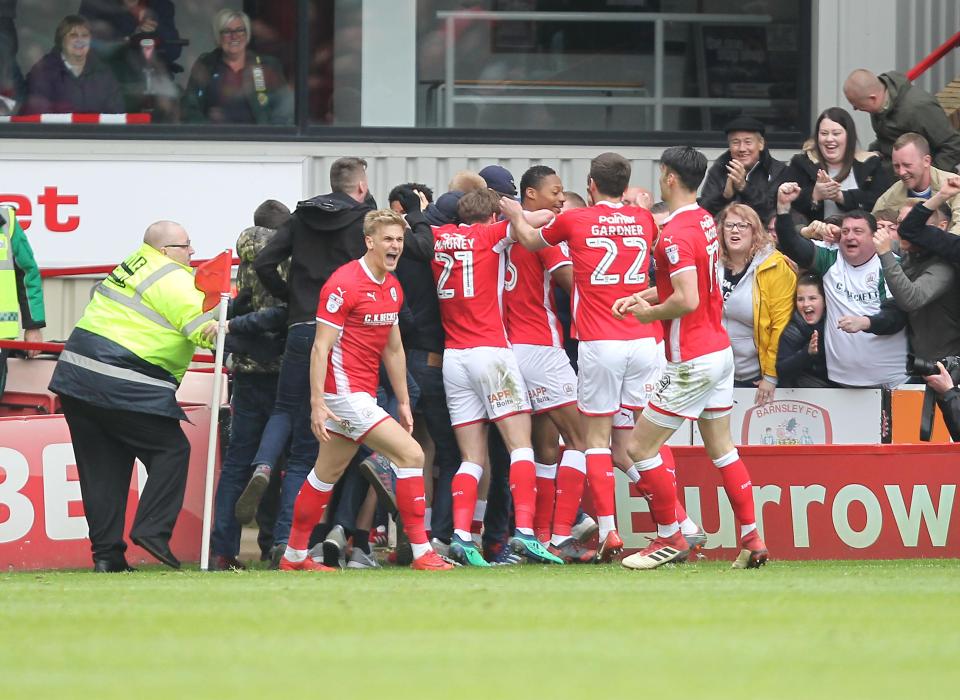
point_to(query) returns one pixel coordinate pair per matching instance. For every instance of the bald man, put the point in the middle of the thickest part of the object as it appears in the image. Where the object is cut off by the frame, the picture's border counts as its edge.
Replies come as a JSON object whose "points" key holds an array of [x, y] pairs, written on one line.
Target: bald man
{"points": [[897, 106], [638, 197], [117, 379]]}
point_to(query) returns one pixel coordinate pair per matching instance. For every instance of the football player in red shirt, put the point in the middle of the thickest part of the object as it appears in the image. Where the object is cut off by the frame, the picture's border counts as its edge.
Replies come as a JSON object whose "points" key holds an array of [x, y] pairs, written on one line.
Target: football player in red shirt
{"points": [[698, 381], [357, 326], [537, 338], [480, 374], [610, 243]]}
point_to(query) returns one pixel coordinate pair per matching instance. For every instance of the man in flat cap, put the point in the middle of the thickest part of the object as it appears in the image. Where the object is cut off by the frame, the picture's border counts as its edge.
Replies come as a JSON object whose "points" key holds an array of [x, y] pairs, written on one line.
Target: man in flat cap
{"points": [[746, 173]]}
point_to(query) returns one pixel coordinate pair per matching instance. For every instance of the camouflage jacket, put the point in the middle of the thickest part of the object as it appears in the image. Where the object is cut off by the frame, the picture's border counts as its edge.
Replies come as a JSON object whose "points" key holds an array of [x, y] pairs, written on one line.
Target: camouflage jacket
{"points": [[252, 296]]}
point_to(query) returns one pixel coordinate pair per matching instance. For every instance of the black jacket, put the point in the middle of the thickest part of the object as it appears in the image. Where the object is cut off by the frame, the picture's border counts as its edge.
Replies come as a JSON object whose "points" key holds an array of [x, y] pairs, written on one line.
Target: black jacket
{"points": [[795, 366], [950, 408], [419, 290], [324, 233], [760, 192], [259, 334], [204, 96], [914, 228], [872, 181]]}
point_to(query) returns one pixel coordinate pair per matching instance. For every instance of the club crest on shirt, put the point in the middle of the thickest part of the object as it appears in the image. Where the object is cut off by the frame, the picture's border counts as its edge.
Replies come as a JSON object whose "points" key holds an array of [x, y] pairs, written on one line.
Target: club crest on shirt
{"points": [[335, 301], [673, 254], [393, 293]]}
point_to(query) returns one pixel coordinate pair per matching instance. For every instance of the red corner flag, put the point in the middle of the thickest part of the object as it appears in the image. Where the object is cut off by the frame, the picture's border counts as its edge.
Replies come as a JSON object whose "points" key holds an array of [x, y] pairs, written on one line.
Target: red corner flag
{"points": [[213, 278]]}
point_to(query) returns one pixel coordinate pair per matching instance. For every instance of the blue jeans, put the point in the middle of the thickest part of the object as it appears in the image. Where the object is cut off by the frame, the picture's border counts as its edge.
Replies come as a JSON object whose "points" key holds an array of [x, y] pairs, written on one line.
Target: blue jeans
{"points": [[291, 419], [303, 455], [252, 402], [387, 400], [433, 406], [293, 393]]}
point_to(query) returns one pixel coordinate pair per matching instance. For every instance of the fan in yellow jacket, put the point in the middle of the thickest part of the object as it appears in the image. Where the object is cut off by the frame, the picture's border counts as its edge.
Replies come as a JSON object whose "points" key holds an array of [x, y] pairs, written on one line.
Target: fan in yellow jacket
{"points": [[759, 286]]}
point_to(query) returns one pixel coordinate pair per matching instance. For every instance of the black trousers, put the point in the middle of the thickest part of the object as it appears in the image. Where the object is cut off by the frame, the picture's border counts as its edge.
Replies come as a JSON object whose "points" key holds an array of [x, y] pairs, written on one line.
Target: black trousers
{"points": [[4, 353], [105, 444]]}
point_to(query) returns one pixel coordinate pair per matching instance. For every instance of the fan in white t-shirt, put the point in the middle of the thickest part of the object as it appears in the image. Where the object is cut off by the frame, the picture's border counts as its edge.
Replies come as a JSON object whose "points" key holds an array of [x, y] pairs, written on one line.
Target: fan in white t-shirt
{"points": [[865, 343]]}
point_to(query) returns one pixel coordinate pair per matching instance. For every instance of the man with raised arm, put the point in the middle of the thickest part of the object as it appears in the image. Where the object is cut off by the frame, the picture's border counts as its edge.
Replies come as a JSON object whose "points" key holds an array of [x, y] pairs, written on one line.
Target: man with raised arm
{"points": [[698, 381], [609, 243]]}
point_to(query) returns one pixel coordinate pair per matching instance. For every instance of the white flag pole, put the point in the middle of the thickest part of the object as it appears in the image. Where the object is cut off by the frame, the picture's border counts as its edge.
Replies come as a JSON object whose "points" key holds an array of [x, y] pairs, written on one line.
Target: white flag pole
{"points": [[212, 437]]}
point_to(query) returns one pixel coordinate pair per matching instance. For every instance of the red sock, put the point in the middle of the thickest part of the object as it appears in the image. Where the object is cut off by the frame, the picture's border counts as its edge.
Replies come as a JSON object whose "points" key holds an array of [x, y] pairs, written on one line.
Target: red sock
{"points": [[663, 492], [602, 484], [464, 489], [546, 495], [307, 511], [671, 466], [569, 491], [523, 487], [412, 504], [739, 488]]}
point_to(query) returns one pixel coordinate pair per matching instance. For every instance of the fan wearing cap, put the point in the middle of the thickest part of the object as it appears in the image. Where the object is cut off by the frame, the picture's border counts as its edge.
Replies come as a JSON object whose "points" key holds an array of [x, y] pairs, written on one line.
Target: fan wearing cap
{"points": [[746, 173], [499, 180]]}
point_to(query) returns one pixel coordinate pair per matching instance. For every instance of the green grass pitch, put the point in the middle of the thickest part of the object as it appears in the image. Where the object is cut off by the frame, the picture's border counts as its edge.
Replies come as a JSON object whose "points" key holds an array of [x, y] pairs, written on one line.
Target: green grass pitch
{"points": [[817, 630]]}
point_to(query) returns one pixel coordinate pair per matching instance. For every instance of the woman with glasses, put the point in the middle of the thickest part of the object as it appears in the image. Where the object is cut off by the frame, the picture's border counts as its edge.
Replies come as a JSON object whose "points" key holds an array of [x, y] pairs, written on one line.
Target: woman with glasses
{"points": [[758, 297], [833, 175], [233, 84]]}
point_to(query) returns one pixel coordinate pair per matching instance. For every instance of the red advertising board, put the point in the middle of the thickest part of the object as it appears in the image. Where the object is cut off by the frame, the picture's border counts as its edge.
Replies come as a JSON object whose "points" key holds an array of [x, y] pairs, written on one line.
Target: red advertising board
{"points": [[822, 502], [41, 514], [813, 502]]}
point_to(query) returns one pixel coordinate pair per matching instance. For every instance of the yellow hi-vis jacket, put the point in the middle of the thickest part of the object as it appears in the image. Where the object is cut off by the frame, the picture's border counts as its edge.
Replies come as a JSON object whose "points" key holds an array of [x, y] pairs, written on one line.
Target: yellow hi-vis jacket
{"points": [[137, 335], [9, 302], [21, 291]]}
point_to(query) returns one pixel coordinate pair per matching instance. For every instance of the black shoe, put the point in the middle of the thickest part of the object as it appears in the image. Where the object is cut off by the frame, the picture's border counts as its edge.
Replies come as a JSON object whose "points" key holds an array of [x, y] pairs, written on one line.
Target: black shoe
{"points": [[111, 565], [224, 563], [276, 554], [158, 549]]}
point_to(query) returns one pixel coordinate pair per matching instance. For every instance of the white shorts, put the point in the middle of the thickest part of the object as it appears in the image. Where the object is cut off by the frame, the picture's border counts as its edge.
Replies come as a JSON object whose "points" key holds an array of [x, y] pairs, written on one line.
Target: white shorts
{"points": [[483, 384], [623, 420], [617, 373], [699, 387], [358, 413], [550, 380]]}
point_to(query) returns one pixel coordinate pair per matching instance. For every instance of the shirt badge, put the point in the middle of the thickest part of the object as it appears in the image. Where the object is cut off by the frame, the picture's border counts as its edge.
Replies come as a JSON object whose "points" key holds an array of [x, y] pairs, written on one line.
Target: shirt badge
{"points": [[673, 254], [335, 301]]}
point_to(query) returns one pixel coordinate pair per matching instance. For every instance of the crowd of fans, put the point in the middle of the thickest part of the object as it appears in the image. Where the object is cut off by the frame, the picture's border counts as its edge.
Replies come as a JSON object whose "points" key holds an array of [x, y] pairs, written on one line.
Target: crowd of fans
{"points": [[117, 56], [833, 267]]}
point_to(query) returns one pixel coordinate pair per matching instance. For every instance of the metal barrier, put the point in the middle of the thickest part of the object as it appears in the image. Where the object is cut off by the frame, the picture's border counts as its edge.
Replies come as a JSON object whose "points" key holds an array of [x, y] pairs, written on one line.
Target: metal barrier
{"points": [[658, 101]]}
